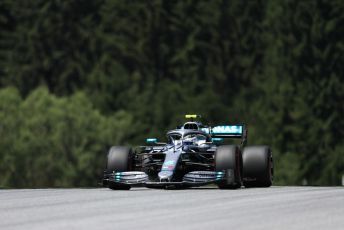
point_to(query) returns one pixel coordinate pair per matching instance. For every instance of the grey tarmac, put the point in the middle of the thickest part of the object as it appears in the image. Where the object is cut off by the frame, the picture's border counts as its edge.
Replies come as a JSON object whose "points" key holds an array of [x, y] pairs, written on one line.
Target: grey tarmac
{"points": [[198, 208]]}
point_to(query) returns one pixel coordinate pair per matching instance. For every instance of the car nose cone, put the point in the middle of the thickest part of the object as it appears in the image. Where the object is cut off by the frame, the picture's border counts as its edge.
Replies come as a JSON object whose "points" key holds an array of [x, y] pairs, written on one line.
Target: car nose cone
{"points": [[165, 175]]}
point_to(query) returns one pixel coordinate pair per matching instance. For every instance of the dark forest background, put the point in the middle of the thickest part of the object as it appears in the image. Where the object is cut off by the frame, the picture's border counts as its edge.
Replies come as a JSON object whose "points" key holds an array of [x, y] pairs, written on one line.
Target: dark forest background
{"points": [[79, 76]]}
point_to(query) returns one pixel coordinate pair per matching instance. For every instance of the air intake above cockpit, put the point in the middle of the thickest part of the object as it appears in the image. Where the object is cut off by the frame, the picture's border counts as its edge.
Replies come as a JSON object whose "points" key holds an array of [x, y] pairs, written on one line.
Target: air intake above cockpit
{"points": [[191, 126]]}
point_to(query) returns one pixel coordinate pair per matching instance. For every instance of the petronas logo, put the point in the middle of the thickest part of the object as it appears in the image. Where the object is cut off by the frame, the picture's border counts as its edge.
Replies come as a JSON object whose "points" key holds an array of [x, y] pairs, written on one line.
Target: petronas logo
{"points": [[227, 129]]}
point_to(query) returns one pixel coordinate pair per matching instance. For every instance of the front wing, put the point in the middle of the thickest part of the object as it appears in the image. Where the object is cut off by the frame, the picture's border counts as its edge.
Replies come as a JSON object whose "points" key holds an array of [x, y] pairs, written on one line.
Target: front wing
{"points": [[191, 179]]}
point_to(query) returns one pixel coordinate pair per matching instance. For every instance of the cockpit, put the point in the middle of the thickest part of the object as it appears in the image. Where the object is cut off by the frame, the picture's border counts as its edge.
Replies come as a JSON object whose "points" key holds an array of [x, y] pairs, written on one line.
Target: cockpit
{"points": [[191, 138], [194, 139], [174, 138]]}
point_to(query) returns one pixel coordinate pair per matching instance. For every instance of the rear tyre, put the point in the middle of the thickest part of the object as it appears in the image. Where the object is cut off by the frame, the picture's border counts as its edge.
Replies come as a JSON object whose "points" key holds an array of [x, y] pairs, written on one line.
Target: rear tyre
{"points": [[228, 158], [258, 166], [119, 159]]}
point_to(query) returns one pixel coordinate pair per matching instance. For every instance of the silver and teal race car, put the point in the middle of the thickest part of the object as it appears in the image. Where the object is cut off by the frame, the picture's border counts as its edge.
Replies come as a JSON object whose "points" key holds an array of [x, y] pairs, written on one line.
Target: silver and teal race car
{"points": [[194, 155]]}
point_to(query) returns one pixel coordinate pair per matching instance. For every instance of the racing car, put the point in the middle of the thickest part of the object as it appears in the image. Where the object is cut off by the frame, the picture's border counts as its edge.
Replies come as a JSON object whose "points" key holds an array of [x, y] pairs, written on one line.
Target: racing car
{"points": [[194, 155]]}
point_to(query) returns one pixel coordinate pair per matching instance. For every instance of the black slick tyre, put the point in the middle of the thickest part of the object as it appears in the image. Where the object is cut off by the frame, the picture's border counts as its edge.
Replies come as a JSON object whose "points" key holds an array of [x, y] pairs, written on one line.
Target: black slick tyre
{"points": [[257, 166], [119, 159], [228, 159]]}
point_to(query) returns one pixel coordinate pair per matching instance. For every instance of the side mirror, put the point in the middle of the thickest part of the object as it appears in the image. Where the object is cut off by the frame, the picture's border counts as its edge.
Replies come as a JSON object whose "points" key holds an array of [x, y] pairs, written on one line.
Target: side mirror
{"points": [[217, 140], [151, 140]]}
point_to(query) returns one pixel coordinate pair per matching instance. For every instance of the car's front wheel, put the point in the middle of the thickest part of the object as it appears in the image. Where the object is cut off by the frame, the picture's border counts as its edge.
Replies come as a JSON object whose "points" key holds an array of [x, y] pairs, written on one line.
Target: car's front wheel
{"points": [[119, 159], [228, 158]]}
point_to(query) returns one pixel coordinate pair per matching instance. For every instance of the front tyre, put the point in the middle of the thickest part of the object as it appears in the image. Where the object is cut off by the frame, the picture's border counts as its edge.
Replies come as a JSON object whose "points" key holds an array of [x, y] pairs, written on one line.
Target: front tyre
{"points": [[257, 166], [119, 159], [228, 158]]}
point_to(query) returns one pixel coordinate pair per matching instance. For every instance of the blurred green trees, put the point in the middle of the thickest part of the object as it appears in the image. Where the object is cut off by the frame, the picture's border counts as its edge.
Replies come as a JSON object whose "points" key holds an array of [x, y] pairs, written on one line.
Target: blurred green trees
{"points": [[51, 141], [79, 76]]}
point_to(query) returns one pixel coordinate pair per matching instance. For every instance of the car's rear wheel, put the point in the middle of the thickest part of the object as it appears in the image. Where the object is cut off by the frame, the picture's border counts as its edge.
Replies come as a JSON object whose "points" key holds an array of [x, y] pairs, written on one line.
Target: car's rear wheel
{"points": [[119, 159], [257, 166], [228, 158]]}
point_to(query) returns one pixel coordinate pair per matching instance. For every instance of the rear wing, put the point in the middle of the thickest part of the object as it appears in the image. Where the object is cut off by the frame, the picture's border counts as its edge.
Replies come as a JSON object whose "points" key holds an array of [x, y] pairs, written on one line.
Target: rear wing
{"points": [[228, 131]]}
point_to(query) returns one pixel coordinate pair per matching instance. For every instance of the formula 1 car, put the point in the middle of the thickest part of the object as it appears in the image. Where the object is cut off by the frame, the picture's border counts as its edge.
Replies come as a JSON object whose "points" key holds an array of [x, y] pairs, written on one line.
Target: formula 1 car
{"points": [[193, 156]]}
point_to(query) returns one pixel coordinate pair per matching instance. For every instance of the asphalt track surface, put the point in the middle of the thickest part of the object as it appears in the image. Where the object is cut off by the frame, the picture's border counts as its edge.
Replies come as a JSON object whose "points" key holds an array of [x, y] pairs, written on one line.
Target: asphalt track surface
{"points": [[202, 208]]}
